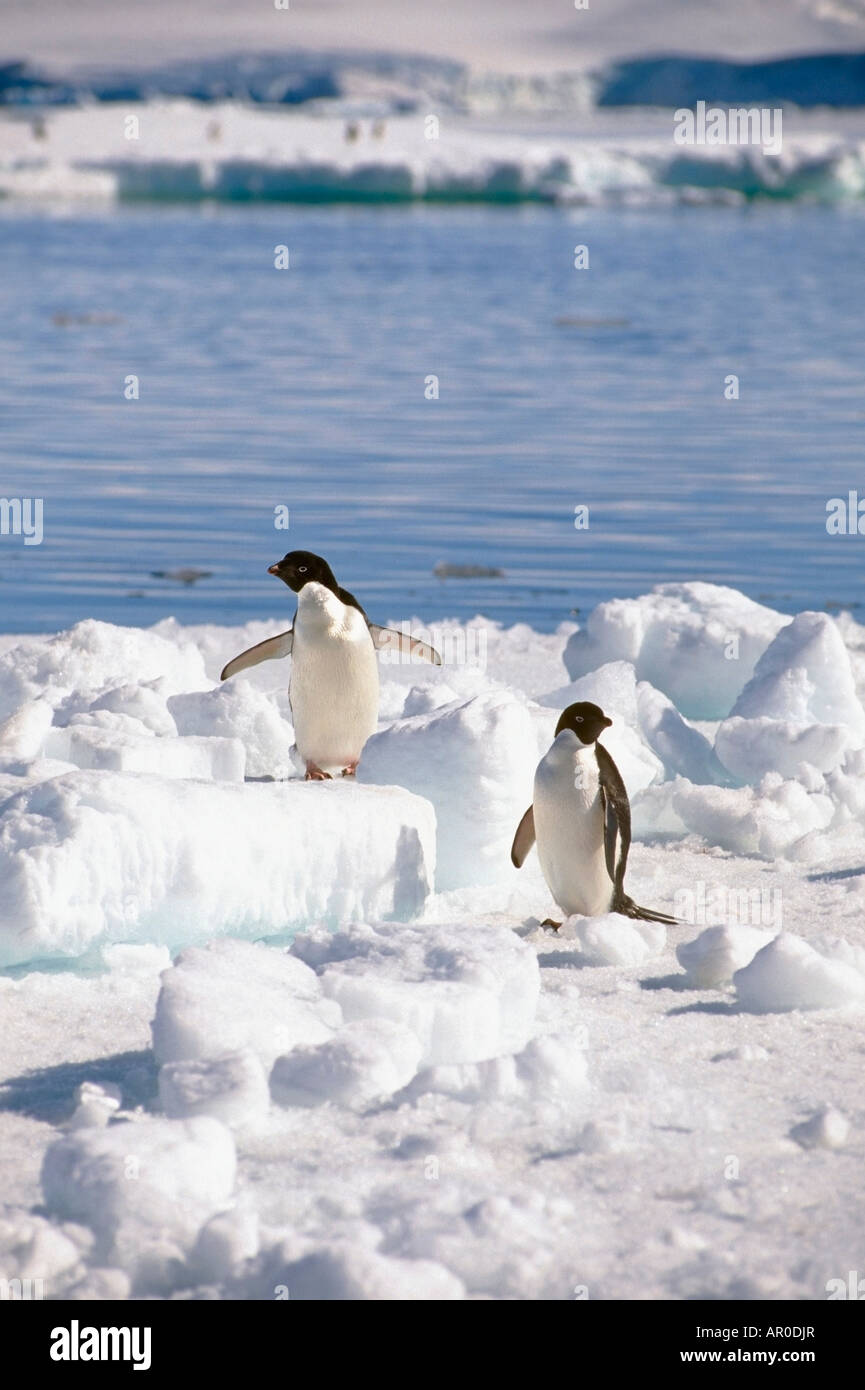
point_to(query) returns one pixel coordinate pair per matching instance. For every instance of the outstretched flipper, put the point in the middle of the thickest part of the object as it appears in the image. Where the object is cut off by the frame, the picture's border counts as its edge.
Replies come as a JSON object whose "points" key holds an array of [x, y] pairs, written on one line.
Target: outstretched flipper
{"points": [[388, 639], [524, 838], [269, 650], [617, 826]]}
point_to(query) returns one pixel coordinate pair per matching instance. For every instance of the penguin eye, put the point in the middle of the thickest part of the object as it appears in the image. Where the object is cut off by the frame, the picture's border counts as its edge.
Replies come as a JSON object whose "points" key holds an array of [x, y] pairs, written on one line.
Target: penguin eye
{"points": [[578, 719], [301, 569]]}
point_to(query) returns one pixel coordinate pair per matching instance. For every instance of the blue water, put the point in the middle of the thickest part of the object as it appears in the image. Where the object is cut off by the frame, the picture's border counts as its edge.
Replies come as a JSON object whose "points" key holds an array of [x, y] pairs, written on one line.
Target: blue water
{"points": [[305, 388]]}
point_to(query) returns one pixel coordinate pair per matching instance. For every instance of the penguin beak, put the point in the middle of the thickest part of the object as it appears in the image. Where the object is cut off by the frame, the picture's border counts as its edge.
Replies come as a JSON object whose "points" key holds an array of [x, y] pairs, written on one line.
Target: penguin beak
{"points": [[273, 569], [607, 722]]}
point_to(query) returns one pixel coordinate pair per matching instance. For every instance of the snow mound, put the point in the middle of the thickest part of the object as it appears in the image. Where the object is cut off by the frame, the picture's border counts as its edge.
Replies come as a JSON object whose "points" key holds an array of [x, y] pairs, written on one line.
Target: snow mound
{"points": [[95, 1105], [340, 1272], [144, 1188], [805, 676], [768, 820], [93, 657], [467, 995], [698, 643], [789, 974], [476, 764], [112, 744], [550, 1070], [231, 1087], [364, 1062], [613, 686], [40, 1252], [235, 996], [749, 748], [827, 1129], [716, 954], [145, 701], [23, 733], [800, 705], [682, 749], [614, 939], [238, 710], [225, 1243], [110, 856]]}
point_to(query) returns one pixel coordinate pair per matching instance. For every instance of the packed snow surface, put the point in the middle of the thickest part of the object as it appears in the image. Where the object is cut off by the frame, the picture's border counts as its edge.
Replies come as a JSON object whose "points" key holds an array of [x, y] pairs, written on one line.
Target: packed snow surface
{"points": [[264, 1036]]}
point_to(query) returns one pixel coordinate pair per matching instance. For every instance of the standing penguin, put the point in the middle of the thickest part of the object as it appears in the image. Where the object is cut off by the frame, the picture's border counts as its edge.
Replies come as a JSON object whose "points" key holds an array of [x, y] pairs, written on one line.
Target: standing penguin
{"points": [[579, 809], [333, 690]]}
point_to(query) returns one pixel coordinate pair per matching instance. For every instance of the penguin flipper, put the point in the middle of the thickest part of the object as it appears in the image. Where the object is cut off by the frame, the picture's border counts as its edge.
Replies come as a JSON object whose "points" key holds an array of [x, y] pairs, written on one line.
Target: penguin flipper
{"points": [[269, 650], [524, 838], [387, 638], [617, 819]]}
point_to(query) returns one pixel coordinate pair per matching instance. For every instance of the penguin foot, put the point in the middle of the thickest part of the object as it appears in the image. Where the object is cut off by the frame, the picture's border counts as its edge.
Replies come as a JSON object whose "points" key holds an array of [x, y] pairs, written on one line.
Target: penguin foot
{"points": [[350, 769], [548, 922], [628, 908], [315, 774]]}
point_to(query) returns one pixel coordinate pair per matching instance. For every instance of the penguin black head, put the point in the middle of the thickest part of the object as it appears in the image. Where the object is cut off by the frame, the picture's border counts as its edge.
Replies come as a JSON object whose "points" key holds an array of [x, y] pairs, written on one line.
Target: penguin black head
{"points": [[301, 567], [585, 719]]}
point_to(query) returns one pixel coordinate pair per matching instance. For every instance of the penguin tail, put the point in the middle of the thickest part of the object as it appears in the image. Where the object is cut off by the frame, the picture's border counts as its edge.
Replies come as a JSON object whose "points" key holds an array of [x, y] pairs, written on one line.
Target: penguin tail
{"points": [[628, 908]]}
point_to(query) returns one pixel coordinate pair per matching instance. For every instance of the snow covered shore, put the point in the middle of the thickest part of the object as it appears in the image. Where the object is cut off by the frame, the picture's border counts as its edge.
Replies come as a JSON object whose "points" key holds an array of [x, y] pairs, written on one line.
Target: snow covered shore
{"points": [[179, 150], [369, 1072]]}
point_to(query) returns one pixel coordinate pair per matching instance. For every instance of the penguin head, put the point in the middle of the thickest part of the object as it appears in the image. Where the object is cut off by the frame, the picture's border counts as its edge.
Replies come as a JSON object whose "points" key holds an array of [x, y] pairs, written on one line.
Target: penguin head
{"points": [[301, 567], [586, 720]]}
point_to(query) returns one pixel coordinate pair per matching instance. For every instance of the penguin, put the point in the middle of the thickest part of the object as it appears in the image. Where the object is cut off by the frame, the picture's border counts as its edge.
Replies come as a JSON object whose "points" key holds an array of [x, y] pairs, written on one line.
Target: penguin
{"points": [[579, 809], [333, 690]]}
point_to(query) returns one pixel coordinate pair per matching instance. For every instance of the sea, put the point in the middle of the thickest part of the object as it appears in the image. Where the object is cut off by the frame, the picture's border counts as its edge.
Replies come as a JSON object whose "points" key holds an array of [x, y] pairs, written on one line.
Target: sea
{"points": [[510, 406]]}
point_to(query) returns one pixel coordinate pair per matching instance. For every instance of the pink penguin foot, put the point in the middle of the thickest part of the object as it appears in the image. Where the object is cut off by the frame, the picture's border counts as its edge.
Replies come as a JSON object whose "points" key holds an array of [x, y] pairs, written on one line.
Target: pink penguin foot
{"points": [[350, 769], [315, 774]]}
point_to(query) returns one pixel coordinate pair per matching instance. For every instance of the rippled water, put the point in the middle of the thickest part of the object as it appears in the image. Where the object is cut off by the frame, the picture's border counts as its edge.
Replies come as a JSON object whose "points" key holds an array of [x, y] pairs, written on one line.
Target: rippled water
{"points": [[306, 388]]}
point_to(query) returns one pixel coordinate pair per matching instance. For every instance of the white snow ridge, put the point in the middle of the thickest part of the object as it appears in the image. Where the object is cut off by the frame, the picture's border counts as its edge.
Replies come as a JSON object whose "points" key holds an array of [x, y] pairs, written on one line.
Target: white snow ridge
{"points": [[261, 1035]]}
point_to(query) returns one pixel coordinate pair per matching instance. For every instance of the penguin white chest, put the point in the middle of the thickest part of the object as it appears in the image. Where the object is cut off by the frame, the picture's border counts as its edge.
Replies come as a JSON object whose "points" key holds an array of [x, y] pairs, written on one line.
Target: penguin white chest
{"points": [[333, 689], [569, 827]]}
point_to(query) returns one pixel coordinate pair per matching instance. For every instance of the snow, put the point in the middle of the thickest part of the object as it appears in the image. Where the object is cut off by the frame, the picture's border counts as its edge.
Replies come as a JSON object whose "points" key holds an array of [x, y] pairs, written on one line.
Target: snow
{"points": [[475, 762], [365, 1062], [337, 1272], [231, 1087], [465, 997], [116, 856], [828, 1129], [91, 658], [238, 711], [323, 1026], [496, 141], [697, 643], [790, 974], [800, 705], [232, 995], [610, 941], [114, 744], [805, 675], [143, 1187], [716, 954]]}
